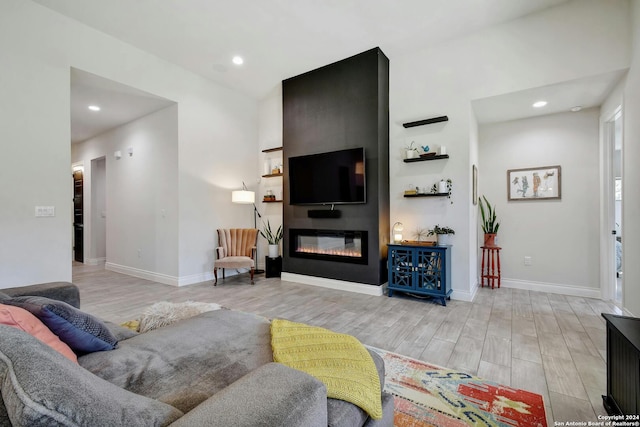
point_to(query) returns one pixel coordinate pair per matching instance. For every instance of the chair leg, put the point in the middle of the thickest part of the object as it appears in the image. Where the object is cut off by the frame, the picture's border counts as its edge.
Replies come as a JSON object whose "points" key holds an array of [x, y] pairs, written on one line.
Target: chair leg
{"points": [[252, 282], [215, 274]]}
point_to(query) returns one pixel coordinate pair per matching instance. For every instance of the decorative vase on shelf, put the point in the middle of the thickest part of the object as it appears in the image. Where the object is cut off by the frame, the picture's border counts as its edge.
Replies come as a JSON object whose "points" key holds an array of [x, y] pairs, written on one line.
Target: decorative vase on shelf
{"points": [[411, 154], [274, 251], [442, 187]]}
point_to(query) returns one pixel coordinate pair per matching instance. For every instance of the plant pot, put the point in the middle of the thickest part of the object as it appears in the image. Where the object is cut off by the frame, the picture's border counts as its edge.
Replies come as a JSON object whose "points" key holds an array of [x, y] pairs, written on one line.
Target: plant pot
{"points": [[490, 240], [411, 154], [274, 251], [444, 239]]}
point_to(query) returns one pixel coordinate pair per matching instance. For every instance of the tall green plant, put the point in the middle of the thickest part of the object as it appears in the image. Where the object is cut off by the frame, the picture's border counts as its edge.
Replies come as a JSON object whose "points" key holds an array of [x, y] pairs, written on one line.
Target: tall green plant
{"points": [[490, 224], [272, 238]]}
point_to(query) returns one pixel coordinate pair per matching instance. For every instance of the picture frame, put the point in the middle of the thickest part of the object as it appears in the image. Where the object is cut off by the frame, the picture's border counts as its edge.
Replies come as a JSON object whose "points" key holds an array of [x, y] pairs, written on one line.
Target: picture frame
{"points": [[474, 178], [539, 183]]}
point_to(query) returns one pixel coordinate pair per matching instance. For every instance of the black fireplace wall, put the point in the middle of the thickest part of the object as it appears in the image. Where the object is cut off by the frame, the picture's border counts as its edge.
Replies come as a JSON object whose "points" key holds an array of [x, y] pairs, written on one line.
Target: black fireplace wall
{"points": [[339, 106]]}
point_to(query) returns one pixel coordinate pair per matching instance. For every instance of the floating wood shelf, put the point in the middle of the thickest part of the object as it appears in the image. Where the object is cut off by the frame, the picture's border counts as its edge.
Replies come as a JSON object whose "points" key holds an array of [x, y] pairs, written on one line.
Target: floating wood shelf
{"points": [[426, 121], [271, 175], [427, 195], [272, 201], [424, 159], [271, 150]]}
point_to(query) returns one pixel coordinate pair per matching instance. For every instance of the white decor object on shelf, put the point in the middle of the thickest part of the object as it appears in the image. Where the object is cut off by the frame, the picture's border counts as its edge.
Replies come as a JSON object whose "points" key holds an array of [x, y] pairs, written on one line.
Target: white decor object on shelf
{"points": [[442, 186]]}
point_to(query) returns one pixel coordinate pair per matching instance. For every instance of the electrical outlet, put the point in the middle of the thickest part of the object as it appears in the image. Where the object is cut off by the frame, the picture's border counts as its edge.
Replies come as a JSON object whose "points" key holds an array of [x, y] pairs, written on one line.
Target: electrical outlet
{"points": [[527, 260]]}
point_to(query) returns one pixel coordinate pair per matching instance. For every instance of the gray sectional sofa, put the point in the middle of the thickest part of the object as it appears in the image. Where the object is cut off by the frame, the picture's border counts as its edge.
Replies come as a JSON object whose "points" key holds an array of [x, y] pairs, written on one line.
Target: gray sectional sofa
{"points": [[215, 369]]}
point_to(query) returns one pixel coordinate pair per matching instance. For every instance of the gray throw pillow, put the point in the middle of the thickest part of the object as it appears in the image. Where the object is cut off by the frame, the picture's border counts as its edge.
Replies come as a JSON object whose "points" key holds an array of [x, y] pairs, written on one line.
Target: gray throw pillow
{"points": [[81, 331], [40, 387]]}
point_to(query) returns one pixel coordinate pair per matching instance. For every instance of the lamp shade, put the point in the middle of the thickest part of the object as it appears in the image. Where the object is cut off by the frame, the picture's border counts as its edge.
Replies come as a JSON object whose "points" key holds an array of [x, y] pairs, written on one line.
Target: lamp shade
{"points": [[243, 196]]}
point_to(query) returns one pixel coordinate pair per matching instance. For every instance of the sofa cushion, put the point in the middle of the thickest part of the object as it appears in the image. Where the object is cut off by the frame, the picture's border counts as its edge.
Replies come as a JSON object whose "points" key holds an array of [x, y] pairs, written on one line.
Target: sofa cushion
{"points": [[61, 393], [81, 331], [20, 318], [271, 395], [340, 361], [206, 353]]}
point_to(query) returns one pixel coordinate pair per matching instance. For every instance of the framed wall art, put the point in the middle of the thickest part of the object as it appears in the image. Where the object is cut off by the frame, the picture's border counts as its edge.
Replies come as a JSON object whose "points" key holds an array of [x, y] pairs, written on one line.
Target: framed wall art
{"points": [[541, 183]]}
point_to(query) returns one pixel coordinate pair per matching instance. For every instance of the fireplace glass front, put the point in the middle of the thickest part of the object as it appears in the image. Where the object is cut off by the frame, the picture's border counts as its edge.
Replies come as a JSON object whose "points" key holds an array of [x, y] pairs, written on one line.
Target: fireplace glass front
{"points": [[330, 245]]}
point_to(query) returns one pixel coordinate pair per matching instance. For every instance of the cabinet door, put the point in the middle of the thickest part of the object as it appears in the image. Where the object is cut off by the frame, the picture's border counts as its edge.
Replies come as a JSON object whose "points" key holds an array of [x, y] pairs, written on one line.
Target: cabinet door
{"points": [[401, 268], [429, 271]]}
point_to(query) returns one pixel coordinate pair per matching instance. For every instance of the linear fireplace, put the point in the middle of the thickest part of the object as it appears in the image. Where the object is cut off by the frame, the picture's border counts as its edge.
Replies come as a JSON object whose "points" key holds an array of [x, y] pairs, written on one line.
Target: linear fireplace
{"points": [[329, 245]]}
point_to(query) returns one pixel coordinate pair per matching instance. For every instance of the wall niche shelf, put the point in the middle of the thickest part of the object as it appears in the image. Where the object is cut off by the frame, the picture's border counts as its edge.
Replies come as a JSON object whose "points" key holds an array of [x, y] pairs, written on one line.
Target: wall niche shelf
{"points": [[426, 122], [424, 159], [271, 150], [271, 175], [427, 195]]}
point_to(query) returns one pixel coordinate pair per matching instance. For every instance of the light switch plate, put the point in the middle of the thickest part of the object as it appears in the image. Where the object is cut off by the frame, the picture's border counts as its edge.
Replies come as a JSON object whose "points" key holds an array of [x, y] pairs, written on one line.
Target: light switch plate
{"points": [[45, 211]]}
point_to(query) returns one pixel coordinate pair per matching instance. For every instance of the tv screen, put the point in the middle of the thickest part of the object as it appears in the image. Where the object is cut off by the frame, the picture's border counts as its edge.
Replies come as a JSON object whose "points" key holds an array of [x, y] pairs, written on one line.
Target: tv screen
{"points": [[335, 177]]}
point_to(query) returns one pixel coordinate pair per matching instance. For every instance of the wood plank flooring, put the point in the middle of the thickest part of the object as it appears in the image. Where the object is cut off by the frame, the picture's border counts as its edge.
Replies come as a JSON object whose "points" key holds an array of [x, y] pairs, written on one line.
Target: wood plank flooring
{"points": [[550, 344]]}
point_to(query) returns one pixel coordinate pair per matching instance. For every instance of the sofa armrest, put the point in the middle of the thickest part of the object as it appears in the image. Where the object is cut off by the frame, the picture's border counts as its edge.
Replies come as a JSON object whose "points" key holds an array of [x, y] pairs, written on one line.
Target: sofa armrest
{"points": [[61, 291], [272, 395]]}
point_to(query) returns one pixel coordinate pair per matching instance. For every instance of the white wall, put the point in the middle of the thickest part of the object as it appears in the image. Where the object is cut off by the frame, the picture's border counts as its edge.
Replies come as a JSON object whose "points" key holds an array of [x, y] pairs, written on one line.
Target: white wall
{"points": [[631, 173], [573, 40], [141, 192], [97, 241], [270, 130], [217, 142], [561, 236]]}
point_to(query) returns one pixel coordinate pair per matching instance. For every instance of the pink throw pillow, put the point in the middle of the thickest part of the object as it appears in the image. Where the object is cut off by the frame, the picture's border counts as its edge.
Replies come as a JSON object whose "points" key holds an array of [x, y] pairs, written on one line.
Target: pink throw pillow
{"points": [[21, 319]]}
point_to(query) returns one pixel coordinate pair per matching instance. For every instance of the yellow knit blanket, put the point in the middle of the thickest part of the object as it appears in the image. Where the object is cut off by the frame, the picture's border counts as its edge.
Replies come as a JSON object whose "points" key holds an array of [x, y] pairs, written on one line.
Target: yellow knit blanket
{"points": [[340, 361]]}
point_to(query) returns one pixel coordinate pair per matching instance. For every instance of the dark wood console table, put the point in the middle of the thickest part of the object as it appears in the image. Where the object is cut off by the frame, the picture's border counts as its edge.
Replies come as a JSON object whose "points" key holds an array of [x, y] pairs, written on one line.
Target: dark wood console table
{"points": [[623, 365]]}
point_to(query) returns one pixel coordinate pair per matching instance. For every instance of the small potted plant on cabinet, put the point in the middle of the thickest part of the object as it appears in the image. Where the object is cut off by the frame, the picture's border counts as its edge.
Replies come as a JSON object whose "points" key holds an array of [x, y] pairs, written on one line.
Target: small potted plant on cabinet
{"points": [[490, 224], [273, 239], [443, 234]]}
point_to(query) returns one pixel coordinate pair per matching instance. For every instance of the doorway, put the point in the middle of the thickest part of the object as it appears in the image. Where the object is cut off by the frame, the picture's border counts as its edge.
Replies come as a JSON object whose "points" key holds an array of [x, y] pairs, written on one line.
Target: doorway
{"points": [[78, 215], [613, 199]]}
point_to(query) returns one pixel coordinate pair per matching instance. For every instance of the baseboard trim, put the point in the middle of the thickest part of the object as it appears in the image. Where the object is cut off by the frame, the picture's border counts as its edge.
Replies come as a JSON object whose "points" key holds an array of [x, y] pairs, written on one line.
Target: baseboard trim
{"points": [[464, 295], [196, 278], [552, 288], [95, 261], [143, 274], [340, 285]]}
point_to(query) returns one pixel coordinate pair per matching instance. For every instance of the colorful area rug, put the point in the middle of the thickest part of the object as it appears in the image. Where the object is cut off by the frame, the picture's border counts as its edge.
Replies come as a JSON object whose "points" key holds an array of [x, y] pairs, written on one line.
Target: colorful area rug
{"points": [[428, 395]]}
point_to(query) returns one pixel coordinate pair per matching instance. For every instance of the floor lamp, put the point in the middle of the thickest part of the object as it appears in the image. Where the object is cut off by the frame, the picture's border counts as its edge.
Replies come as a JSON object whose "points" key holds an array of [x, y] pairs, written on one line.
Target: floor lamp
{"points": [[246, 197]]}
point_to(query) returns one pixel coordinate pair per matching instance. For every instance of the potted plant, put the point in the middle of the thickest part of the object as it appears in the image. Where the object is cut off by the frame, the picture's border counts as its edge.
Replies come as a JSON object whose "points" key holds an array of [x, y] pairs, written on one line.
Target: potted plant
{"points": [[442, 187], [412, 152], [443, 234], [490, 224], [272, 238]]}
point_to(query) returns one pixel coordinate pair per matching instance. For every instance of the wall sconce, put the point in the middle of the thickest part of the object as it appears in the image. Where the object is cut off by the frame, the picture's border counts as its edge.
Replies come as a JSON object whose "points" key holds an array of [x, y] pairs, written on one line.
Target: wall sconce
{"points": [[397, 230]]}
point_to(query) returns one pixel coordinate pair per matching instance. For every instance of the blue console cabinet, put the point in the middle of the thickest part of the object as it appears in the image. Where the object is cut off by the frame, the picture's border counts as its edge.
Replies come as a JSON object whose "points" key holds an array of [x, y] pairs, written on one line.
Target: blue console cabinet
{"points": [[420, 270]]}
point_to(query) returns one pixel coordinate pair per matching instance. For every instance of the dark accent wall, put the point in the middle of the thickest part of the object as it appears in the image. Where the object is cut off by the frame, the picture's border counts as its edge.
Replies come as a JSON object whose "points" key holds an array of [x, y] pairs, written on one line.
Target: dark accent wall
{"points": [[341, 105]]}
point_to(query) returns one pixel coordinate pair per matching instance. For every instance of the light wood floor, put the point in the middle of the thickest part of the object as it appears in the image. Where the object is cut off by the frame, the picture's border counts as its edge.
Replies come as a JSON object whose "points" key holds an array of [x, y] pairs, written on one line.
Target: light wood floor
{"points": [[550, 344]]}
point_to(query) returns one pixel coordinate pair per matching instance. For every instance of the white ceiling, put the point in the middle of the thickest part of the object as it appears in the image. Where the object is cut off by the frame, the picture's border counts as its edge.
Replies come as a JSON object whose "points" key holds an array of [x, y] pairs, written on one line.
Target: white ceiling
{"points": [[119, 104], [283, 38], [587, 92]]}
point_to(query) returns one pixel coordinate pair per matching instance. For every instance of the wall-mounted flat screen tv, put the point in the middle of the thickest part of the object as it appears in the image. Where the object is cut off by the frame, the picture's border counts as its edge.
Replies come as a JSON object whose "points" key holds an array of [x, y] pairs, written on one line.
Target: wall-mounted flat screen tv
{"points": [[336, 177]]}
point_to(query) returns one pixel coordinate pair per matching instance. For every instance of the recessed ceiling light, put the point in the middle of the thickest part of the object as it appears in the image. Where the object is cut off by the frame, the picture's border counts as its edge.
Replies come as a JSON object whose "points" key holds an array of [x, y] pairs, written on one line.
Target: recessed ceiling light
{"points": [[94, 108], [576, 108], [238, 60], [539, 104]]}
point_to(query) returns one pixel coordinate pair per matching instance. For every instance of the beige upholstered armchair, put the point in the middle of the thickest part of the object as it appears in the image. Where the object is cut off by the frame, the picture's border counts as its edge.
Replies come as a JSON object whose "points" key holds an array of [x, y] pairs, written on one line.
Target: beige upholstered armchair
{"points": [[236, 249]]}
